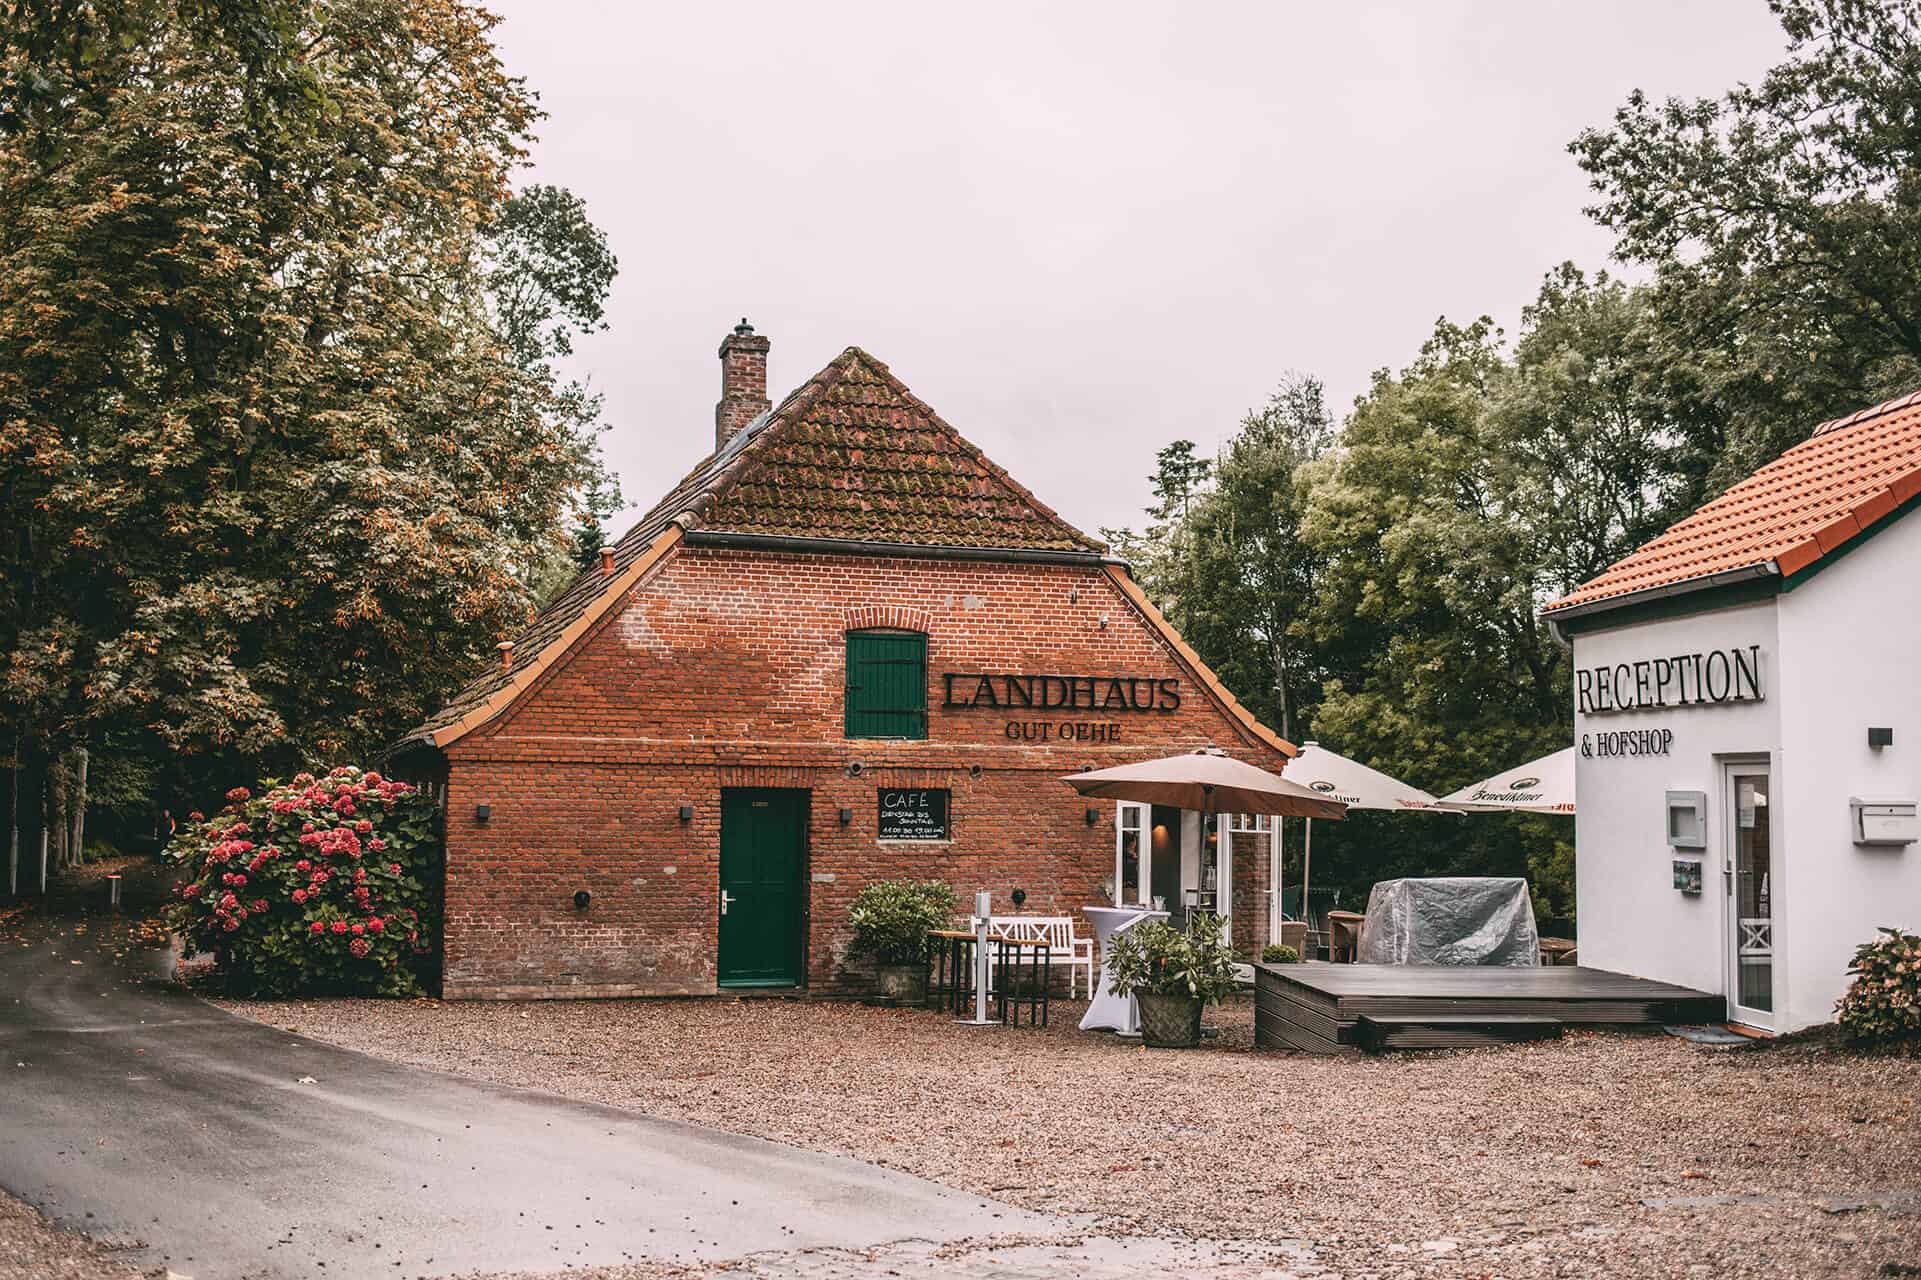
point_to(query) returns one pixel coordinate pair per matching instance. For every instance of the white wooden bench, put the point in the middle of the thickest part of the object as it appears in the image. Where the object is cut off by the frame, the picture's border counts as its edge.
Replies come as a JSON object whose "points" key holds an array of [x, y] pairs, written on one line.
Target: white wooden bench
{"points": [[1062, 946]]}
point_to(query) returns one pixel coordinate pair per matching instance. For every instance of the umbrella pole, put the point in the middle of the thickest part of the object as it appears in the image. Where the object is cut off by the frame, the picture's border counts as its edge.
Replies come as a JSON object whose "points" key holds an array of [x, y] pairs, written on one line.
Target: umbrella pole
{"points": [[1307, 856]]}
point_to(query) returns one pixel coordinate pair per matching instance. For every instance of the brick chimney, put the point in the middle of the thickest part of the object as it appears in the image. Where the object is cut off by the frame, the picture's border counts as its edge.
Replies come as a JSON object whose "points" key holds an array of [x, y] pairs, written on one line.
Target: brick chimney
{"points": [[743, 382]]}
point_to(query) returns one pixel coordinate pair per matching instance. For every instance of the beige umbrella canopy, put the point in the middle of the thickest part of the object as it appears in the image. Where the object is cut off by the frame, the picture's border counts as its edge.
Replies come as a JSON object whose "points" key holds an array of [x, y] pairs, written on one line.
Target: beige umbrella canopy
{"points": [[1208, 780]]}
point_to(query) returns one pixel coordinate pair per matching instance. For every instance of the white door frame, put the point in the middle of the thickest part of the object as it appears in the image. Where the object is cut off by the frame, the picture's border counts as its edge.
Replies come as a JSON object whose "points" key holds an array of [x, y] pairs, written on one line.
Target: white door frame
{"points": [[1757, 936]]}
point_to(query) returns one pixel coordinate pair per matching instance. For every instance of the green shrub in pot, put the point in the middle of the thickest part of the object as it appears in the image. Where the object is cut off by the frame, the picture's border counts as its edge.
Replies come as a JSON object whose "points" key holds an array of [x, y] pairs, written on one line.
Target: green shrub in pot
{"points": [[1279, 953], [891, 920], [1172, 974]]}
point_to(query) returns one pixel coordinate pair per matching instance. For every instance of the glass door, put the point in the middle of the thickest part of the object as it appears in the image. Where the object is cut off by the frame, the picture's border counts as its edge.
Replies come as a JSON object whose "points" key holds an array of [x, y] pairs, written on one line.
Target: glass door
{"points": [[1130, 860], [1750, 884]]}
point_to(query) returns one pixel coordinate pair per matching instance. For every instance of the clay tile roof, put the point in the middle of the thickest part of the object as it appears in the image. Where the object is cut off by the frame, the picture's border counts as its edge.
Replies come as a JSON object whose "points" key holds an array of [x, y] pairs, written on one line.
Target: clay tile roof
{"points": [[1849, 474], [855, 455], [851, 455]]}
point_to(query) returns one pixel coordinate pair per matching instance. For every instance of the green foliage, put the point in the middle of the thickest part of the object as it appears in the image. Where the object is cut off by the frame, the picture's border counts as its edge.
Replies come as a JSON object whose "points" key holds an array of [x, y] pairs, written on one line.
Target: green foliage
{"points": [[548, 273], [1279, 953], [1155, 958], [272, 477], [1781, 220], [1883, 1003], [321, 885], [891, 918]]}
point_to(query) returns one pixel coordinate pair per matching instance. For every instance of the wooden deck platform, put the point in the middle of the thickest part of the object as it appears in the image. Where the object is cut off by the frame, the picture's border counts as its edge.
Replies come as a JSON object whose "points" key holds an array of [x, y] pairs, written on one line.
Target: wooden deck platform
{"points": [[1321, 1008]]}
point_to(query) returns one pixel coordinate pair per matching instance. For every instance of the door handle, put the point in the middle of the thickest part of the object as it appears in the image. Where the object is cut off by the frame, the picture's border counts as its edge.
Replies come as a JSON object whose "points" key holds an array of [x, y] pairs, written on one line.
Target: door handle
{"points": [[726, 900]]}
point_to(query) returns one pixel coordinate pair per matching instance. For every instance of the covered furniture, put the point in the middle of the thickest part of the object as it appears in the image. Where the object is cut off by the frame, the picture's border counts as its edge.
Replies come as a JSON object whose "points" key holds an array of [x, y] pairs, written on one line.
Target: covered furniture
{"points": [[1450, 920], [1110, 1010]]}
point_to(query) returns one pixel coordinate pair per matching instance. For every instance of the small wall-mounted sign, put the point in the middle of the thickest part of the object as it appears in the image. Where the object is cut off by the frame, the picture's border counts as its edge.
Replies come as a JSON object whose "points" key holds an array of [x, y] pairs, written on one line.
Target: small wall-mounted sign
{"points": [[913, 813]]}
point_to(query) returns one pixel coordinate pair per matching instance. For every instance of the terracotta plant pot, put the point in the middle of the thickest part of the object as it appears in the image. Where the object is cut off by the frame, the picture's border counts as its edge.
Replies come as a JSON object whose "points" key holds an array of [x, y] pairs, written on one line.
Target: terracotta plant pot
{"points": [[1169, 1022], [901, 983]]}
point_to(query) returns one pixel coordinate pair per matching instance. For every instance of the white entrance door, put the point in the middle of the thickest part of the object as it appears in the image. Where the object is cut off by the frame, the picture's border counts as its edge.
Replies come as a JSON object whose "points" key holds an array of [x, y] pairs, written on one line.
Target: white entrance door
{"points": [[1749, 880]]}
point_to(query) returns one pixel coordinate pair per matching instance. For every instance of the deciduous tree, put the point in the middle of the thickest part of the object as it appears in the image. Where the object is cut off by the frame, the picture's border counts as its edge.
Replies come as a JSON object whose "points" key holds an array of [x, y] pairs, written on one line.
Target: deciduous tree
{"points": [[270, 475]]}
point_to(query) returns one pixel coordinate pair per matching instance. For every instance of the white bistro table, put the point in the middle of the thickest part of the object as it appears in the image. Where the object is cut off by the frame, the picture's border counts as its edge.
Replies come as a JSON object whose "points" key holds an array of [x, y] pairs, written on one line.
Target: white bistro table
{"points": [[1110, 1010]]}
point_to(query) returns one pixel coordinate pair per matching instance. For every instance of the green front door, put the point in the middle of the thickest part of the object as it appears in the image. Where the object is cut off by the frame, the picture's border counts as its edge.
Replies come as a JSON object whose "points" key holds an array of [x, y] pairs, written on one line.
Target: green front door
{"points": [[763, 843]]}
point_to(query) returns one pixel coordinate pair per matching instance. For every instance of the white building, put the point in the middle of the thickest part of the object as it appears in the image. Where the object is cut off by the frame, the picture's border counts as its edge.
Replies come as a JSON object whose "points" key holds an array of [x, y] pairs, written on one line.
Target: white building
{"points": [[1748, 728]]}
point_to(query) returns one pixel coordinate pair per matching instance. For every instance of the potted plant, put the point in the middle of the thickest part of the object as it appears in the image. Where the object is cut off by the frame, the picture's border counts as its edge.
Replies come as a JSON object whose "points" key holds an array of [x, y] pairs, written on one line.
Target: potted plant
{"points": [[1172, 974], [891, 919]]}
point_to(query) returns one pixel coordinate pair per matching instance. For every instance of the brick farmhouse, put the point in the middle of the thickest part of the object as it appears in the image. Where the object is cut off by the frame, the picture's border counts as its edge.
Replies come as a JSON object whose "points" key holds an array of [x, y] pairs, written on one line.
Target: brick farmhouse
{"points": [[847, 647]]}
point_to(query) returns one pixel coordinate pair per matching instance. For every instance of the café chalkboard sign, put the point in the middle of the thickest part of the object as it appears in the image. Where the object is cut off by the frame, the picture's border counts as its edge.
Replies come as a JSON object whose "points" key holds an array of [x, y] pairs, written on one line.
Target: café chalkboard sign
{"points": [[918, 813]]}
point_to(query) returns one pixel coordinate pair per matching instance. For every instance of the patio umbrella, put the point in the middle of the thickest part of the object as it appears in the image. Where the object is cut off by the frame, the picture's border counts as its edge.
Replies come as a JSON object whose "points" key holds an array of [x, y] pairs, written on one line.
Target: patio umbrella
{"points": [[1208, 780], [1545, 785], [1354, 785]]}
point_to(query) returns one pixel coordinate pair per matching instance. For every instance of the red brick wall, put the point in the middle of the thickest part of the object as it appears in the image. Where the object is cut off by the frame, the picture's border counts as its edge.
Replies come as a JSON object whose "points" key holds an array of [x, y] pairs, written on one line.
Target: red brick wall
{"points": [[725, 668]]}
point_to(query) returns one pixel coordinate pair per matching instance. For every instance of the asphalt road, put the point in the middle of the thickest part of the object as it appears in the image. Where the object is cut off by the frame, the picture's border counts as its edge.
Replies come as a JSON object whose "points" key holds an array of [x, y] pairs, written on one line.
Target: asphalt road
{"points": [[130, 1110]]}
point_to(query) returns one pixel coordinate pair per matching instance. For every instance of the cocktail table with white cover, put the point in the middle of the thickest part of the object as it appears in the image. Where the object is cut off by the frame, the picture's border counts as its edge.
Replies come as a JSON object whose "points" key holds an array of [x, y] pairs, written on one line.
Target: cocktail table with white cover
{"points": [[1110, 1010]]}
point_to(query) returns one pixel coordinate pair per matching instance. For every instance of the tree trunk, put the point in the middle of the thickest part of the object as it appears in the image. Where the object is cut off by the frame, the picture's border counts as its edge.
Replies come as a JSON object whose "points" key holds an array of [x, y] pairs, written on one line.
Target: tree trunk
{"points": [[1280, 691], [59, 796], [77, 808], [29, 812]]}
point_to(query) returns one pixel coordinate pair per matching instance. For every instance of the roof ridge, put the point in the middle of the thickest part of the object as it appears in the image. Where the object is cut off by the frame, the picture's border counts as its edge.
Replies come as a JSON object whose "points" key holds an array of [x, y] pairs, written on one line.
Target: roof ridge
{"points": [[1903, 401]]}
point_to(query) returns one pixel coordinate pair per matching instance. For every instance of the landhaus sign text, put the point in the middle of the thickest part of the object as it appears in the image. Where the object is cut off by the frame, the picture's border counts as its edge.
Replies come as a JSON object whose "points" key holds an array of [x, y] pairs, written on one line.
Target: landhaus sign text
{"points": [[998, 691], [1681, 680], [1113, 695]]}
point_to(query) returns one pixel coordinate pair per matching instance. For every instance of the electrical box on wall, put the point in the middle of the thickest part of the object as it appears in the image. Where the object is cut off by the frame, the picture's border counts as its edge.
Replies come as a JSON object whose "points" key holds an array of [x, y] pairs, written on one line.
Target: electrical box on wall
{"points": [[1884, 822], [1687, 820], [1687, 875]]}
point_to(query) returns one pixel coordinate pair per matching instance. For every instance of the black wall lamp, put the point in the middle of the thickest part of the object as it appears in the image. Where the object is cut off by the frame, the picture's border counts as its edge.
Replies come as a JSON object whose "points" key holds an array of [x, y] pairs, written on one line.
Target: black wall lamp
{"points": [[1878, 738], [687, 813], [846, 817], [482, 812], [581, 899], [1093, 816]]}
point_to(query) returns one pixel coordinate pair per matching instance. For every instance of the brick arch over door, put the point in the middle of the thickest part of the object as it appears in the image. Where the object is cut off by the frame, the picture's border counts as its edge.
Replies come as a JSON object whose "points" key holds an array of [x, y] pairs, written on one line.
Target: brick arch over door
{"points": [[886, 617]]}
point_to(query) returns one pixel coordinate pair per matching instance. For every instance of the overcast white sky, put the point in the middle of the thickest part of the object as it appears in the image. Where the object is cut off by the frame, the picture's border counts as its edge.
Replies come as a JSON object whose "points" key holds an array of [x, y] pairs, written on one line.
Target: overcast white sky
{"points": [[1078, 231]]}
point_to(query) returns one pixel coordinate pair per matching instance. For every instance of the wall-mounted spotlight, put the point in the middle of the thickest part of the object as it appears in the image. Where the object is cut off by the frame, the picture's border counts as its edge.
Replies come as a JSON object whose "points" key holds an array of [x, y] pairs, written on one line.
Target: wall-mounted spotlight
{"points": [[1020, 897], [1878, 738], [482, 812], [581, 899], [687, 813], [853, 770], [846, 817], [973, 771], [1093, 816]]}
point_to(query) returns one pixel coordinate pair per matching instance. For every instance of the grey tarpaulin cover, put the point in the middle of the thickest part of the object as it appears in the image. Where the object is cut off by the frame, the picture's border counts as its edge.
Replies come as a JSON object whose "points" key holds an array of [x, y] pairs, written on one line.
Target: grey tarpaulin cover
{"points": [[1450, 920]]}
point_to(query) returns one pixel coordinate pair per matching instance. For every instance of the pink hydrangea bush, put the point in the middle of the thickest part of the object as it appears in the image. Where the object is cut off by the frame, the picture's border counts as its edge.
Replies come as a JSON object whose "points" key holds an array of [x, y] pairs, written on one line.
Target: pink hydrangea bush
{"points": [[1883, 1004], [319, 885]]}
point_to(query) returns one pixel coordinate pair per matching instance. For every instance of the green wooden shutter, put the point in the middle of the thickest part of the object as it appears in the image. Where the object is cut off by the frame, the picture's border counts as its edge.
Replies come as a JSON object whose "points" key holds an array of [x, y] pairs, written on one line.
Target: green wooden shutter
{"points": [[886, 684]]}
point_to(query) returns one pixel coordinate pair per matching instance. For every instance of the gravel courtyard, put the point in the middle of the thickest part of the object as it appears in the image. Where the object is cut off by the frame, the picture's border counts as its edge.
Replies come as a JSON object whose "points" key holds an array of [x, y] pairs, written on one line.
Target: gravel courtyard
{"points": [[1604, 1154]]}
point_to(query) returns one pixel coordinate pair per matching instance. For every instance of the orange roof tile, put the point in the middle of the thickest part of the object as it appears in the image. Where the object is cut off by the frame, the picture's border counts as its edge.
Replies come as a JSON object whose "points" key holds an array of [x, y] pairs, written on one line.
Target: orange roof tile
{"points": [[1832, 487]]}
